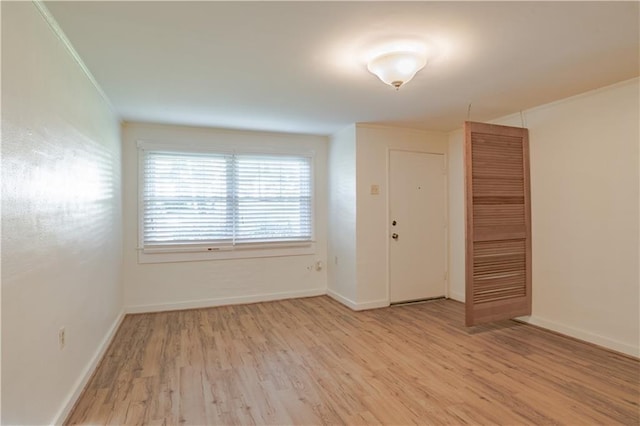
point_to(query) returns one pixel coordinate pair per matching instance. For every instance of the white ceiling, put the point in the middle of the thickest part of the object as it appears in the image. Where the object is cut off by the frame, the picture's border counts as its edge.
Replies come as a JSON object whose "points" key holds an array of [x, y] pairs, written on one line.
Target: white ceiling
{"points": [[300, 67]]}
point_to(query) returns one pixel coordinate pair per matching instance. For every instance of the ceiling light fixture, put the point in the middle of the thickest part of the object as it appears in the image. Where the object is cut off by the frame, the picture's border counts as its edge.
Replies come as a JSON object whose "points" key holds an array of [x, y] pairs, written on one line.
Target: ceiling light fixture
{"points": [[397, 68]]}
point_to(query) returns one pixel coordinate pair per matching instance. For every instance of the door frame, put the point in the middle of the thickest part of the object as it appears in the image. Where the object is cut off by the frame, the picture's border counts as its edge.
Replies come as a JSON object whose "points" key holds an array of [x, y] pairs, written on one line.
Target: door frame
{"points": [[445, 171]]}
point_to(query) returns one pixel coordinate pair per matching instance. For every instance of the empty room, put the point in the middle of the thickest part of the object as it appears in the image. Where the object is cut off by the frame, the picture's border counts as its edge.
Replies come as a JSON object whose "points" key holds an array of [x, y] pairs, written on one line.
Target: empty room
{"points": [[306, 213]]}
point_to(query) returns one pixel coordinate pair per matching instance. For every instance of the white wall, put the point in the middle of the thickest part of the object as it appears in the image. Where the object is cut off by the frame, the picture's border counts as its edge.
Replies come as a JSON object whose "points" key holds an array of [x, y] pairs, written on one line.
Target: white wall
{"points": [[341, 259], [373, 145], [175, 285], [61, 224], [585, 215], [456, 216]]}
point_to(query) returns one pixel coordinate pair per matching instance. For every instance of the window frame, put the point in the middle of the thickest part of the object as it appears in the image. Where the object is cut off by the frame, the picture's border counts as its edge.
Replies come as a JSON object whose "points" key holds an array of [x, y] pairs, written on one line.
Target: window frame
{"points": [[187, 252]]}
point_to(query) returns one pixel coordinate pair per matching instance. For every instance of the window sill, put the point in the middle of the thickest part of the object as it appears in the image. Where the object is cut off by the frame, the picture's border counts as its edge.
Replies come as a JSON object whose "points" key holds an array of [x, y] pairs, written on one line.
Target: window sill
{"points": [[242, 251]]}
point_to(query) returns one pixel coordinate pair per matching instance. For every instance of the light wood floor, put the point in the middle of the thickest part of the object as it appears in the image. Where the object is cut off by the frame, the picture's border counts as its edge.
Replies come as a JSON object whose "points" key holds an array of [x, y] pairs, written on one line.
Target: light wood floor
{"points": [[313, 361]]}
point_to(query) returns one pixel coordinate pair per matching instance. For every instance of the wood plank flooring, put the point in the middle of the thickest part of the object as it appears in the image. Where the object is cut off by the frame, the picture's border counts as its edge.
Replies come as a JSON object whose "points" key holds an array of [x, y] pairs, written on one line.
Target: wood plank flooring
{"points": [[313, 361]]}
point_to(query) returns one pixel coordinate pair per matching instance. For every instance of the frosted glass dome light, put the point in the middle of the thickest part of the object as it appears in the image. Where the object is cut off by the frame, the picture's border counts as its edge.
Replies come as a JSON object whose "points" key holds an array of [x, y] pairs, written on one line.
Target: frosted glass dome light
{"points": [[397, 68]]}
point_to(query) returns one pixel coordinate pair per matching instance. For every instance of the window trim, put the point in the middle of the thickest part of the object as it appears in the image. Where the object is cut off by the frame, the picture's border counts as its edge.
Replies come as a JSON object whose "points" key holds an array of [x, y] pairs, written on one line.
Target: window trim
{"points": [[187, 252]]}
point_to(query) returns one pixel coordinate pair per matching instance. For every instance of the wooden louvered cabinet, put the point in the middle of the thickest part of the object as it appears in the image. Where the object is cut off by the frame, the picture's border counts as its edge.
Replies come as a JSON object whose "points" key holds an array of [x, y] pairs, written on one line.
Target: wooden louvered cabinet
{"points": [[498, 217]]}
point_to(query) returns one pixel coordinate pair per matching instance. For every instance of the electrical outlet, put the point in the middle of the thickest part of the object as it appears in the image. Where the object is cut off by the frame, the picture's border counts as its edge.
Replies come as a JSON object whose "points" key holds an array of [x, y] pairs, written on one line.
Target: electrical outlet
{"points": [[335, 260], [61, 338]]}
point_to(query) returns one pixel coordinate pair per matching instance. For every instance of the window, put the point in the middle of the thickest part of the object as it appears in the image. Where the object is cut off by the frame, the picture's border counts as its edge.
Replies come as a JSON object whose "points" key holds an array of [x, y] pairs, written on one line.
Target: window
{"points": [[218, 203]]}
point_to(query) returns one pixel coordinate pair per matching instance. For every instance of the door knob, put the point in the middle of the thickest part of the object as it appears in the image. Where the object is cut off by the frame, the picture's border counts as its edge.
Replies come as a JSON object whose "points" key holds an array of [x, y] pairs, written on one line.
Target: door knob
{"points": [[394, 236]]}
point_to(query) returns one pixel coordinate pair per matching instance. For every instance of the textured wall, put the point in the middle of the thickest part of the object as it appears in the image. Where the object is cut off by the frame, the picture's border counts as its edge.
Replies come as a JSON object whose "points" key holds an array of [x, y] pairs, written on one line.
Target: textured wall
{"points": [[584, 215], [61, 220], [342, 215], [154, 286], [373, 145]]}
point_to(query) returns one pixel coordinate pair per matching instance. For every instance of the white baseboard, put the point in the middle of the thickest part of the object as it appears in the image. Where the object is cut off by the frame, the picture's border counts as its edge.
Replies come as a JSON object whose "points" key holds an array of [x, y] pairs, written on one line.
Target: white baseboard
{"points": [[456, 296], [82, 381], [571, 332], [374, 304], [583, 335], [222, 301]]}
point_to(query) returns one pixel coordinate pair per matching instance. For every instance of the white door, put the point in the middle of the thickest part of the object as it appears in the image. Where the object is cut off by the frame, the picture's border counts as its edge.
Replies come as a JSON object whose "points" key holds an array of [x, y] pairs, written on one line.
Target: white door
{"points": [[417, 226]]}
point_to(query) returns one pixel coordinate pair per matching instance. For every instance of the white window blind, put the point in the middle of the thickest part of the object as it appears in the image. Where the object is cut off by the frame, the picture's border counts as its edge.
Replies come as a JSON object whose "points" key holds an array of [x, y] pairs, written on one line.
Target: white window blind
{"points": [[272, 198], [225, 199]]}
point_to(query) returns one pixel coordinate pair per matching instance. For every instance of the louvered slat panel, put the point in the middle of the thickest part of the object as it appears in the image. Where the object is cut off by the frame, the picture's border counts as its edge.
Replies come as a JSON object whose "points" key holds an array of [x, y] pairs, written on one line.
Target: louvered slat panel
{"points": [[501, 214], [499, 270], [501, 220], [497, 186]]}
